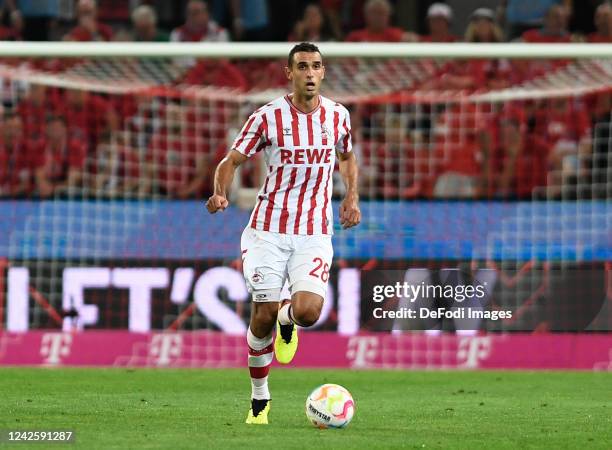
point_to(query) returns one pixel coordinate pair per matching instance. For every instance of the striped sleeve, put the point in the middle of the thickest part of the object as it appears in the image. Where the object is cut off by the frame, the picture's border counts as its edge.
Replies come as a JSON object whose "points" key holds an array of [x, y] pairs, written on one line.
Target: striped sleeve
{"points": [[344, 143], [254, 135]]}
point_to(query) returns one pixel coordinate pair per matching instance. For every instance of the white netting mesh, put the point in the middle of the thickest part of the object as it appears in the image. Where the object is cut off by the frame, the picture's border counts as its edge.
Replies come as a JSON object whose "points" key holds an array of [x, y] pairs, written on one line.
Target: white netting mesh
{"points": [[144, 131]]}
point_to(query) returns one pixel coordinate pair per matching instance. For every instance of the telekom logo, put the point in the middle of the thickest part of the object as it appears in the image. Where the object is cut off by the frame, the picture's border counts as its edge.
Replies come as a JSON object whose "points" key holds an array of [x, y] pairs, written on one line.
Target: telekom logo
{"points": [[164, 347], [472, 350], [362, 350], [604, 365], [54, 347]]}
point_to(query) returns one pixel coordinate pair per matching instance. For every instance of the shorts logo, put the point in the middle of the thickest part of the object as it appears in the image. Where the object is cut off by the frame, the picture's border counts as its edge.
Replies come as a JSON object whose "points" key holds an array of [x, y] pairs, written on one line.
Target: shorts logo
{"points": [[256, 277], [261, 296]]}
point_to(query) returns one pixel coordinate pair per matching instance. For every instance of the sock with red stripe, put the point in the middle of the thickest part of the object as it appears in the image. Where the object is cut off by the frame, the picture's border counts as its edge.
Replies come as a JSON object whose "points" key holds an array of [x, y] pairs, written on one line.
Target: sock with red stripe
{"points": [[261, 352]]}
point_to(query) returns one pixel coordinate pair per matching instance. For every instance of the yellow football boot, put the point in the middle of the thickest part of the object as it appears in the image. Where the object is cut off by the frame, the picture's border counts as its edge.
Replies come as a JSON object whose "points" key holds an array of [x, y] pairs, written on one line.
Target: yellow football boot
{"points": [[262, 417], [286, 341]]}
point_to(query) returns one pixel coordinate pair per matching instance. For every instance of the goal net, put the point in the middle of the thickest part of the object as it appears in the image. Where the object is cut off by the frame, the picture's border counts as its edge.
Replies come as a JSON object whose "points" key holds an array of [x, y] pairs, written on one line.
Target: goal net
{"points": [[492, 172]]}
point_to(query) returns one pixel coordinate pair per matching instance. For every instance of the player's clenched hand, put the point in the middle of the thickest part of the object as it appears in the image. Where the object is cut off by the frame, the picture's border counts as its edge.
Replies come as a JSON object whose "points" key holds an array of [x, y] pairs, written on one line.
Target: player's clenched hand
{"points": [[350, 215], [216, 203]]}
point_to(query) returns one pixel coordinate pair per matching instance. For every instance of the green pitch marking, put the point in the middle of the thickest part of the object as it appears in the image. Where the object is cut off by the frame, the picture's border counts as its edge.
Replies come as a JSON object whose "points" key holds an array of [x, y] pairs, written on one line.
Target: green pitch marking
{"points": [[183, 409]]}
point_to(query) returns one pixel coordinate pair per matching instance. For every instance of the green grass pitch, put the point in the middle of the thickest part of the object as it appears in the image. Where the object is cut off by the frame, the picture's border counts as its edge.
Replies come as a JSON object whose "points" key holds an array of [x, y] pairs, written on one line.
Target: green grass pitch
{"points": [[193, 408]]}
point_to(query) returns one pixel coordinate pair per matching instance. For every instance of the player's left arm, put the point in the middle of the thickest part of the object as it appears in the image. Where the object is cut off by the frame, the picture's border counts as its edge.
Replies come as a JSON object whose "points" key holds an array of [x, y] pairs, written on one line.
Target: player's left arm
{"points": [[350, 214]]}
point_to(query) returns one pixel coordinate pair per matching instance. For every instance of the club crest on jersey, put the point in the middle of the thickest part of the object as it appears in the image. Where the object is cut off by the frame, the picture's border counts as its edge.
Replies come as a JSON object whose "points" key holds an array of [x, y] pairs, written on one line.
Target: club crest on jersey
{"points": [[287, 131]]}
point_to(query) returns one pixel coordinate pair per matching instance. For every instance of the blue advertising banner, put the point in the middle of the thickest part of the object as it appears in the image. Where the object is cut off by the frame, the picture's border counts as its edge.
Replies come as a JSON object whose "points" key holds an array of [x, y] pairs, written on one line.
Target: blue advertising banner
{"points": [[571, 231]]}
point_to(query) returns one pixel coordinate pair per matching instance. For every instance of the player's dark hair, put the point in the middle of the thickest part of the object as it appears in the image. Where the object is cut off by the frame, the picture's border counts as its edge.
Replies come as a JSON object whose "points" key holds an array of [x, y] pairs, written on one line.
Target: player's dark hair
{"points": [[307, 47]]}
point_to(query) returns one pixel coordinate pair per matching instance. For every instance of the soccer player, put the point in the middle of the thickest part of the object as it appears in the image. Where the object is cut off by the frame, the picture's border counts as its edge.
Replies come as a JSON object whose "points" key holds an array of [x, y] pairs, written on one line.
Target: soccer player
{"points": [[289, 233]]}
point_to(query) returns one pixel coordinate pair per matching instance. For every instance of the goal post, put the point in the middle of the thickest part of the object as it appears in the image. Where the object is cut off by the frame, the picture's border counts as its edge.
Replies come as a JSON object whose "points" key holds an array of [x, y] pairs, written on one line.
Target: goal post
{"points": [[478, 162], [280, 50]]}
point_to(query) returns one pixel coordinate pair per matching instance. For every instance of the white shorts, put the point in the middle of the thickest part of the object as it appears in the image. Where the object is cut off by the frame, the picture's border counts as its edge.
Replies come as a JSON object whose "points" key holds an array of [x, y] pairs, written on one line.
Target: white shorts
{"points": [[269, 259]]}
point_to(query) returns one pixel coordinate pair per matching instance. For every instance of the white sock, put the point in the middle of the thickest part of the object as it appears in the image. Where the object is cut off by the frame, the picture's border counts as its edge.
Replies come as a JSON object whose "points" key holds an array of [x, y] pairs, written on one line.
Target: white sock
{"points": [[283, 315], [259, 389]]}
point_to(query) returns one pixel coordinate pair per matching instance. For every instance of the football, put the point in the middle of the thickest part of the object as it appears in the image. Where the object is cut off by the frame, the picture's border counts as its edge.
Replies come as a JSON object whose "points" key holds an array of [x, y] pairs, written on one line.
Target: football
{"points": [[330, 406]]}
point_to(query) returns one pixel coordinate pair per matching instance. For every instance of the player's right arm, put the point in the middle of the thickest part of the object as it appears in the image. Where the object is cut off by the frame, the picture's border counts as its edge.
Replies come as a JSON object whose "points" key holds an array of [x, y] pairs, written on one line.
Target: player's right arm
{"points": [[224, 174], [246, 144]]}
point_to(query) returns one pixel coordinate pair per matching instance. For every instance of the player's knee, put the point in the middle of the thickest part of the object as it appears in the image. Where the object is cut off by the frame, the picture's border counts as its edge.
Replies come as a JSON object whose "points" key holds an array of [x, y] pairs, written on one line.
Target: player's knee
{"points": [[309, 317], [307, 314]]}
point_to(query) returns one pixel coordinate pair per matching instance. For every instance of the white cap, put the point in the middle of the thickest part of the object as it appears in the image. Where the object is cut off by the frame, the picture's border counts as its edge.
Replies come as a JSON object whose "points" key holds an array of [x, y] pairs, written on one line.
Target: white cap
{"points": [[483, 13], [440, 10]]}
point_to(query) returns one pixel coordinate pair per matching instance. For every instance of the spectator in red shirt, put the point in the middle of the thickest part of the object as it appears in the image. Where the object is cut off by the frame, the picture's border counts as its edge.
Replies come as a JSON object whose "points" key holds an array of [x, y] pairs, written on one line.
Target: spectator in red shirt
{"points": [[33, 110], [88, 28], [333, 12], [562, 119], [463, 137], [344, 15], [118, 167], [486, 73], [460, 169], [60, 161], [312, 27], [518, 163], [483, 27], [199, 26], [439, 17], [88, 116], [216, 73], [15, 159], [473, 74], [566, 127], [177, 160], [388, 163], [522, 70], [603, 24], [377, 17], [262, 74], [554, 30], [144, 26], [15, 31]]}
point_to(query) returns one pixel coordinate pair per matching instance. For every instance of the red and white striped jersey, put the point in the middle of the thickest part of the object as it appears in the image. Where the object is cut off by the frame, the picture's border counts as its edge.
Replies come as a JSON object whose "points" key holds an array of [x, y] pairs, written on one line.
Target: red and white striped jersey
{"points": [[300, 153]]}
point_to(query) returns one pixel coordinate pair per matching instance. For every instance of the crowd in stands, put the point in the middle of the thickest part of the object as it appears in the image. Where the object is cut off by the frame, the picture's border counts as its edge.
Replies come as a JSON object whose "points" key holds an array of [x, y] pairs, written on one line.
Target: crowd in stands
{"points": [[516, 150], [301, 20], [58, 142]]}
